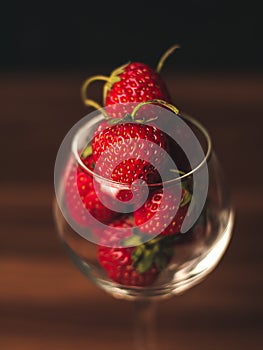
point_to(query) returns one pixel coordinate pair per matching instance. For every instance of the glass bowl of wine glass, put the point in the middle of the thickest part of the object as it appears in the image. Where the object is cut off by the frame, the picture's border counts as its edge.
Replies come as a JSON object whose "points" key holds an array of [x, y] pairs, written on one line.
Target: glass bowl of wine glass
{"points": [[142, 205]]}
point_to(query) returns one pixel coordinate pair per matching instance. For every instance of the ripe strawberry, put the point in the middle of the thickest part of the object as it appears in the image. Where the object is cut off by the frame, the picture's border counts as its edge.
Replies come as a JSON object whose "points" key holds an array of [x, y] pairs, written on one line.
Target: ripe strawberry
{"points": [[85, 180], [131, 84], [81, 196], [97, 209], [157, 215], [131, 266], [73, 200], [124, 152]]}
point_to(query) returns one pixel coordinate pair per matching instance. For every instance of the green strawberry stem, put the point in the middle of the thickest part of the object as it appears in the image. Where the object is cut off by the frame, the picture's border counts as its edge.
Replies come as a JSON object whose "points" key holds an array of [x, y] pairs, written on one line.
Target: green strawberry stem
{"points": [[156, 101], [165, 56], [87, 101], [136, 240], [114, 78], [131, 117]]}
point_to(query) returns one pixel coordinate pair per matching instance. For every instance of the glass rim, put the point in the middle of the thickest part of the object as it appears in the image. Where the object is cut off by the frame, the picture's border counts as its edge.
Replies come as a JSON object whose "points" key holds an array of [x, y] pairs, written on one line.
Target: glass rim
{"points": [[100, 117]]}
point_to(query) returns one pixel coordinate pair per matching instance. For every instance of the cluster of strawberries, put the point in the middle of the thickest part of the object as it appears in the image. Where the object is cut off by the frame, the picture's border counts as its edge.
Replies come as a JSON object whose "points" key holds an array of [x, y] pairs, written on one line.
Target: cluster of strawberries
{"points": [[118, 158]]}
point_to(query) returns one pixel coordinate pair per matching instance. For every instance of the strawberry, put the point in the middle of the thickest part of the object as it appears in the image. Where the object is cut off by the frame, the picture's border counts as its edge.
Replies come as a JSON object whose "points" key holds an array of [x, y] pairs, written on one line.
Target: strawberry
{"points": [[158, 212], [73, 200], [129, 85], [132, 266], [84, 180], [96, 208], [81, 196], [132, 142]]}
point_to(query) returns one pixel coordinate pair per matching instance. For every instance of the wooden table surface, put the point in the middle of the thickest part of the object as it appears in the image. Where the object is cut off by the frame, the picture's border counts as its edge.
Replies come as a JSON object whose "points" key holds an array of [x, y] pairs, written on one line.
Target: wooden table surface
{"points": [[45, 303]]}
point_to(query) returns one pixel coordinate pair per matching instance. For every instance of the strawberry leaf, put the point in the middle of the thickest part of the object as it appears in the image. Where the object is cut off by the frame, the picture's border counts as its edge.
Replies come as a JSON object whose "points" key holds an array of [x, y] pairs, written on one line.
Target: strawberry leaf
{"points": [[114, 121], [146, 261], [157, 251], [120, 69], [87, 152], [131, 241], [137, 254]]}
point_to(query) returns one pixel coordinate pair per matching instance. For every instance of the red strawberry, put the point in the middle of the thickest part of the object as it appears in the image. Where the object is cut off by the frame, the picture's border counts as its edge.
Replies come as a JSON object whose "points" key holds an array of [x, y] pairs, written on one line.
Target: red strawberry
{"points": [[81, 196], [85, 180], [97, 209], [74, 202], [131, 84], [131, 266], [158, 212], [124, 152]]}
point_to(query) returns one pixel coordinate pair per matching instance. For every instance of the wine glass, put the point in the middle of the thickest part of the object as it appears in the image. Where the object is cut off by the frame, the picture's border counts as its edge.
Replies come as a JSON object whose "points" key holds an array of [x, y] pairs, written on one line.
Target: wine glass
{"points": [[106, 226]]}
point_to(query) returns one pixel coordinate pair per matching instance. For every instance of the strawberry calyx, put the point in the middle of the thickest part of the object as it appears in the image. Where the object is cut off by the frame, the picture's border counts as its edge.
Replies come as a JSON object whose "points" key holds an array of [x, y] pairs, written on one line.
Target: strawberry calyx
{"points": [[85, 154], [113, 78], [126, 119], [87, 151], [132, 116], [156, 251]]}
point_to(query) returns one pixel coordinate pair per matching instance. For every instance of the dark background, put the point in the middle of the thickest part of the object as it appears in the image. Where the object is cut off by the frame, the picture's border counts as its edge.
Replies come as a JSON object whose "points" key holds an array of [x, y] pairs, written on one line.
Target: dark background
{"points": [[214, 35]]}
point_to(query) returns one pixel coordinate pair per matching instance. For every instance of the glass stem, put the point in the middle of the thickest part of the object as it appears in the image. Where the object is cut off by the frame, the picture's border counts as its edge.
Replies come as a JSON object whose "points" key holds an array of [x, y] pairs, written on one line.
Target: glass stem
{"points": [[145, 332]]}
